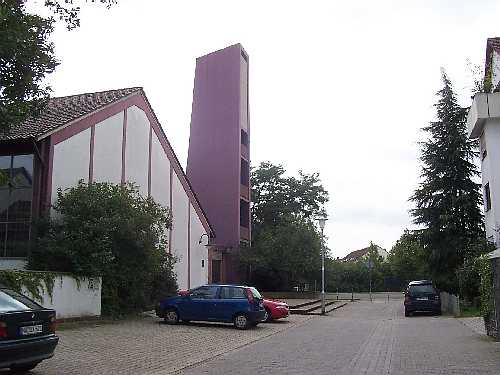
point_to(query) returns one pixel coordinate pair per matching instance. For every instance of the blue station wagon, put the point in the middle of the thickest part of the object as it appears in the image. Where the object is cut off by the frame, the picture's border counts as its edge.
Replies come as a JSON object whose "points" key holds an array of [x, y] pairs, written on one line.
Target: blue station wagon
{"points": [[240, 305]]}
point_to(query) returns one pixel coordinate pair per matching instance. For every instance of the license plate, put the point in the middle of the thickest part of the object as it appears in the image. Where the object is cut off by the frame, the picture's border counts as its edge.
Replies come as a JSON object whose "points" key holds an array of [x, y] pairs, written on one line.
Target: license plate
{"points": [[31, 330], [423, 299]]}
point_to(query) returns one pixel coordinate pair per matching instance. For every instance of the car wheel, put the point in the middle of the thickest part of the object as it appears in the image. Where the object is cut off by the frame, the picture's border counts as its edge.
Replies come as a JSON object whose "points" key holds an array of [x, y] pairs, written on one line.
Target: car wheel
{"points": [[267, 316], [171, 316], [23, 368], [241, 321]]}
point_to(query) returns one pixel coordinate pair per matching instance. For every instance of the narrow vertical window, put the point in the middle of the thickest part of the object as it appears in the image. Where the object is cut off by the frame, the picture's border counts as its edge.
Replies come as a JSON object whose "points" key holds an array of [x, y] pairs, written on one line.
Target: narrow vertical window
{"points": [[482, 145], [487, 197]]}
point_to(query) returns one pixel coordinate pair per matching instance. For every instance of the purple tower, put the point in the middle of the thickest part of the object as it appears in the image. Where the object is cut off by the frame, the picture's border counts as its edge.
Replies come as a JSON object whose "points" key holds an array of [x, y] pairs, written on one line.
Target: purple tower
{"points": [[218, 166]]}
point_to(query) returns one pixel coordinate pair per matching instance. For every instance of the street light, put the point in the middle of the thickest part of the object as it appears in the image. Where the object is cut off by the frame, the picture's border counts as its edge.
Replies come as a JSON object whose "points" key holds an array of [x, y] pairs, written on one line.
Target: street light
{"points": [[322, 221]]}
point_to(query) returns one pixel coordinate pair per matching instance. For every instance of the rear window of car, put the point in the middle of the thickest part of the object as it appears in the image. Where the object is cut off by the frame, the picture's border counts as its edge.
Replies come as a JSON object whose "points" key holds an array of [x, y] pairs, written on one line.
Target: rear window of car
{"points": [[421, 289], [256, 293], [232, 293], [13, 301]]}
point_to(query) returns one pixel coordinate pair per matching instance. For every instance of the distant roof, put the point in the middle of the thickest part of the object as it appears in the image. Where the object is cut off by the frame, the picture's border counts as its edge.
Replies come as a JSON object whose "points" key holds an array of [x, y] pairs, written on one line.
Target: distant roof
{"points": [[63, 110], [357, 254]]}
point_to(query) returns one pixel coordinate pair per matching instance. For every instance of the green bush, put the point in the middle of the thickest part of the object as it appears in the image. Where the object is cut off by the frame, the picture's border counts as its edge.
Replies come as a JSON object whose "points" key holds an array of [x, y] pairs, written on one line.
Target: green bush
{"points": [[102, 229], [486, 286]]}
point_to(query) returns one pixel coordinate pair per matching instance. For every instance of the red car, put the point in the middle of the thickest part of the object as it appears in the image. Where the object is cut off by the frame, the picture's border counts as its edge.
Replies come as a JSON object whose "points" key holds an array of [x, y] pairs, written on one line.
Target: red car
{"points": [[275, 310]]}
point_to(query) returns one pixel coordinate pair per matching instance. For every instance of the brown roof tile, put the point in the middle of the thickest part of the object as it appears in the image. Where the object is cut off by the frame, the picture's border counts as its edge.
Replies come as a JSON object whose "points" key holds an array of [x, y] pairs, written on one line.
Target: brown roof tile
{"points": [[62, 110]]}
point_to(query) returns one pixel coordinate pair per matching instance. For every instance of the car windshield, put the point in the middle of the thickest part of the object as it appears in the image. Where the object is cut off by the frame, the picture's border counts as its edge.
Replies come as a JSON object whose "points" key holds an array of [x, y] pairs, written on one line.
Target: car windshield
{"points": [[421, 289], [256, 293], [13, 301]]}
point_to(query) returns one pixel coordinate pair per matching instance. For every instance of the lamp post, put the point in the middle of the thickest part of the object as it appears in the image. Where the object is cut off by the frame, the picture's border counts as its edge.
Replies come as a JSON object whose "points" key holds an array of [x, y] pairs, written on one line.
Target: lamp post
{"points": [[322, 222]]}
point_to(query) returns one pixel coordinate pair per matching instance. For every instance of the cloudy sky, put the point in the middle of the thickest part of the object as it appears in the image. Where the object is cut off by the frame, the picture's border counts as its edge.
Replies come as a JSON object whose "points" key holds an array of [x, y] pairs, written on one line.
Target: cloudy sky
{"points": [[339, 88]]}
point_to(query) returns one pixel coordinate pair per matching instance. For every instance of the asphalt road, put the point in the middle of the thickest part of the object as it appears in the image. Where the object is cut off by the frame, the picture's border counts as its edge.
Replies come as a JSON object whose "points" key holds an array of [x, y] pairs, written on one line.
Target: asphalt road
{"points": [[365, 338]]}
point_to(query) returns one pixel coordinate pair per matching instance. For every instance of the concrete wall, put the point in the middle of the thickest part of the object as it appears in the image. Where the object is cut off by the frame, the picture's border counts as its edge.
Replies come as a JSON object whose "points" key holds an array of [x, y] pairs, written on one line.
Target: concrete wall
{"points": [[108, 140], [136, 148], [71, 162], [71, 299], [450, 304], [101, 151], [198, 252], [490, 164], [213, 166], [160, 173], [12, 264], [179, 237]]}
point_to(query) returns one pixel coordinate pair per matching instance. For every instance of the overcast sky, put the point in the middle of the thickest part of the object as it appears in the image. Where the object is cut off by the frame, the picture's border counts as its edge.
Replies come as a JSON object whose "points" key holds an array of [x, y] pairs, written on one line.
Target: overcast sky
{"points": [[336, 88]]}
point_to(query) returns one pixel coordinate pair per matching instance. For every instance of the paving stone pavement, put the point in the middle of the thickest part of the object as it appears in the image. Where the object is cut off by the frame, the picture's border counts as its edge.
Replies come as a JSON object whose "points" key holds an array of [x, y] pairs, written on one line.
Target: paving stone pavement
{"points": [[147, 346], [365, 338], [475, 323]]}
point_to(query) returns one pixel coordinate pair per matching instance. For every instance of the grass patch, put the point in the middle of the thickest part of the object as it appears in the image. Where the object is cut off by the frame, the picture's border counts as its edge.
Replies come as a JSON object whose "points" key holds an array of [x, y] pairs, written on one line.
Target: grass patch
{"points": [[470, 312]]}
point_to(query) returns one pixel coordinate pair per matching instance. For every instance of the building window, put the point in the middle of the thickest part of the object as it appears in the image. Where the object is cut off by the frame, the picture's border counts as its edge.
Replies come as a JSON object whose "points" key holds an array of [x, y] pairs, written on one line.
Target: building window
{"points": [[16, 195], [244, 173], [487, 197], [482, 145], [244, 137], [244, 213]]}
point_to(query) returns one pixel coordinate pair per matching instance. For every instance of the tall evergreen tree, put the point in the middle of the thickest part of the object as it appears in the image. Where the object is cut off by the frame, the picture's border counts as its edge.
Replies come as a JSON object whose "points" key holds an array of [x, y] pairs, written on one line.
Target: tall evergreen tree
{"points": [[447, 200]]}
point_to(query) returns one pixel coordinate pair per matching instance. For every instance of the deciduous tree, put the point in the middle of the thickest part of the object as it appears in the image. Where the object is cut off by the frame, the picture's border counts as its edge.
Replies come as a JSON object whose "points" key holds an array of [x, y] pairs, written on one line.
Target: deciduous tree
{"points": [[27, 55]]}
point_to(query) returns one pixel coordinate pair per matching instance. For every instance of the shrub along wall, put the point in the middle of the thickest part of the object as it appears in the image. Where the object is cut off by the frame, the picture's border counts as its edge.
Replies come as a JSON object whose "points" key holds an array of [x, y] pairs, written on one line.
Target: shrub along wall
{"points": [[109, 231]]}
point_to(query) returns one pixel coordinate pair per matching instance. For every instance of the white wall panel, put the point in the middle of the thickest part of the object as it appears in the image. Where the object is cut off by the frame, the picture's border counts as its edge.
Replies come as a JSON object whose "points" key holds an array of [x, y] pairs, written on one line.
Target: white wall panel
{"points": [[71, 162], [137, 148], [160, 173], [179, 238], [243, 93], [199, 253], [108, 140]]}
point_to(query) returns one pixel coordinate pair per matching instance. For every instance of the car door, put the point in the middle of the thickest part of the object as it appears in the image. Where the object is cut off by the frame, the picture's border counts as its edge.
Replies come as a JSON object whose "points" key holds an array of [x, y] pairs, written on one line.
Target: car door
{"points": [[231, 300], [199, 303]]}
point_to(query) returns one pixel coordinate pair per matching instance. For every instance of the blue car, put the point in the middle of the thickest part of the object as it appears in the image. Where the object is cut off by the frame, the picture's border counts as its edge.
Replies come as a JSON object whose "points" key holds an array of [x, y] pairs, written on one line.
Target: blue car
{"points": [[240, 305]]}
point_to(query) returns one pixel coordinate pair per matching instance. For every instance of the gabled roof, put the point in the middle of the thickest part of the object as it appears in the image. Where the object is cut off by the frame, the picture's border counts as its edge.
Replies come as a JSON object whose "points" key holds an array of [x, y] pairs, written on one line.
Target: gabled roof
{"points": [[63, 110], [355, 255], [358, 254]]}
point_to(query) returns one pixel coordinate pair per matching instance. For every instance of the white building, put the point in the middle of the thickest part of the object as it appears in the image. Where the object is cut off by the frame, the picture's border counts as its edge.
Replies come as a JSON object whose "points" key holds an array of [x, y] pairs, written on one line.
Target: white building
{"points": [[483, 123], [112, 136]]}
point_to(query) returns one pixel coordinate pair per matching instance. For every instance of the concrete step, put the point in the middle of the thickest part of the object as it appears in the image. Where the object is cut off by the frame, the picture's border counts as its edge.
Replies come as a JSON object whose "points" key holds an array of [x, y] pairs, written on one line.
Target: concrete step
{"points": [[310, 307]]}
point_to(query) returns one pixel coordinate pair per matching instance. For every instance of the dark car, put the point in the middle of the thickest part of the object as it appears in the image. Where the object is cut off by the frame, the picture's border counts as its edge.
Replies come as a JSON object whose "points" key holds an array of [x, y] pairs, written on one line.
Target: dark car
{"points": [[27, 332], [421, 296], [237, 304]]}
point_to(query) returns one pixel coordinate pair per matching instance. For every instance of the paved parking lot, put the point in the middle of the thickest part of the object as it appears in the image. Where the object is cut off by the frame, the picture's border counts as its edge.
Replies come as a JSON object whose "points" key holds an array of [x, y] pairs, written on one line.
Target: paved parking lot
{"points": [[147, 346], [365, 338]]}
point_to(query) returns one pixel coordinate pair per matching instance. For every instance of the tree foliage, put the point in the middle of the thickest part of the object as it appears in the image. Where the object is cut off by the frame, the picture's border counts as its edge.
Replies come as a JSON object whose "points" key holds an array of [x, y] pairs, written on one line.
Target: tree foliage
{"points": [[407, 260], [27, 56], [286, 245], [277, 198], [447, 201], [107, 230], [285, 255]]}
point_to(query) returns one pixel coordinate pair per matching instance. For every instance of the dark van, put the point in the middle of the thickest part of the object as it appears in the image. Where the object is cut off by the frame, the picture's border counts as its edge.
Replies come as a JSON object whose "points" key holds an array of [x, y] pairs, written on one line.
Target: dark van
{"points": [[422, 296]]}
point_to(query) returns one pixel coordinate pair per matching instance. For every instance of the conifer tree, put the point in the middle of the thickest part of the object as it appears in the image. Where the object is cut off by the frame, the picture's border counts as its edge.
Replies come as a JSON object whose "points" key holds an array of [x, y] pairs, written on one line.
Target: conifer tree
{"points": [[447, 201]]}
